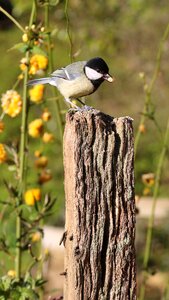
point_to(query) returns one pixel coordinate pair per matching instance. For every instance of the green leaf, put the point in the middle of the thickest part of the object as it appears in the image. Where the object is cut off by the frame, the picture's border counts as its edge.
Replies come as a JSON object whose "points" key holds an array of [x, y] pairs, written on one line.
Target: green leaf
{"points": [[11, 189], [15, 294], [28, 294], [25, 207], [34, 215], [5, 283], [40, 282], [54, 32], [50, 204], [22, 47]]}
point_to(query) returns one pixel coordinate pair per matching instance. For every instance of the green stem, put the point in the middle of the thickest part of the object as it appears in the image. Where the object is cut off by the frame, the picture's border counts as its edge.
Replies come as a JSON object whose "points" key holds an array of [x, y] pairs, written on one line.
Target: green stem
{"points": [[40, 264], [158, 59], [68, 31], [50, 55], [22, 179], [142, 121], [22, 161], [33, 13], [50, 52], [18, 247], [150, 87], [16, 84], [24, 129], [12, 19], [147, 251]]}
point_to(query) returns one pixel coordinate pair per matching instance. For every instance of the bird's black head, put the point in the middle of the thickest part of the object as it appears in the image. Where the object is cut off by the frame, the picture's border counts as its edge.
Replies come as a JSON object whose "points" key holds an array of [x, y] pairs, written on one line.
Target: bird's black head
{"points": [[98, 64], [97, 71]]}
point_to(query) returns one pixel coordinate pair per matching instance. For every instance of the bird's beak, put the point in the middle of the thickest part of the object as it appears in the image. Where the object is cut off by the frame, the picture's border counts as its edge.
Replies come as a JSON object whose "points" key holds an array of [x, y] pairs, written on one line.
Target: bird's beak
{"points": [[108, 78]]}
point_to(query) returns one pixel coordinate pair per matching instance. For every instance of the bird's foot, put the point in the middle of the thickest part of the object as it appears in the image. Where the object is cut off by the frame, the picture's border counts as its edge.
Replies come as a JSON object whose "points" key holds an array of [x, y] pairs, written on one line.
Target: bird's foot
{"points": [[86, 107], [83, 108], [75, 108]]}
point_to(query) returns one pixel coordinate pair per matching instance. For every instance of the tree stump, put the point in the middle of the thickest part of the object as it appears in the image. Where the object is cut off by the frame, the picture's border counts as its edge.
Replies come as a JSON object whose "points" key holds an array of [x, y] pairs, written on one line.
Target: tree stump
{"points": [[100, 207]]}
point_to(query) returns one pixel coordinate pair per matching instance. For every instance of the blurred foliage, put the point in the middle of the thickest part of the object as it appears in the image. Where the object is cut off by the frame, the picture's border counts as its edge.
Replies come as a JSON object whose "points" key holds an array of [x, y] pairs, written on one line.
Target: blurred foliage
{"points": [[159, 262], [127, 35]]}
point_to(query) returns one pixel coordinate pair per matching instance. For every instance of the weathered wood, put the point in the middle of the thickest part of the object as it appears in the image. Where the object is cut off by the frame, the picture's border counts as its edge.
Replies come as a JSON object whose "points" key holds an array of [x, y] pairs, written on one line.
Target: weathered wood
{"points": [[100, 208]]}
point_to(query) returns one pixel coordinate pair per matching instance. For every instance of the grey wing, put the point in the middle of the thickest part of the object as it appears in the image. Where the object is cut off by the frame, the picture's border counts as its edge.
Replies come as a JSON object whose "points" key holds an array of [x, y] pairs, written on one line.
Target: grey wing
{"points": [[71, 71], [60, 73]]}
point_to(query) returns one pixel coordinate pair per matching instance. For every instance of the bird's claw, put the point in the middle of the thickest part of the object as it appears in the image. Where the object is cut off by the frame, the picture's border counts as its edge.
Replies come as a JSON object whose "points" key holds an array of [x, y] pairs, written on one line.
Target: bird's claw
{"points": [[75, 108], [86, 107]]}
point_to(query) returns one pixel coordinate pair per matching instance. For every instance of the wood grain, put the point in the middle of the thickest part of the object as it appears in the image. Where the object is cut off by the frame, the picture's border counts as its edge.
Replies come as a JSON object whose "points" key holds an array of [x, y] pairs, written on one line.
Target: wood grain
{"points": [[100, 207]]}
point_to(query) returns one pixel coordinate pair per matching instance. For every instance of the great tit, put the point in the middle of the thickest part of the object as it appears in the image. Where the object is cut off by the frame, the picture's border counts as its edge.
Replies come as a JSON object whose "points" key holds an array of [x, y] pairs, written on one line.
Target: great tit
{"points": [[78, 79]]}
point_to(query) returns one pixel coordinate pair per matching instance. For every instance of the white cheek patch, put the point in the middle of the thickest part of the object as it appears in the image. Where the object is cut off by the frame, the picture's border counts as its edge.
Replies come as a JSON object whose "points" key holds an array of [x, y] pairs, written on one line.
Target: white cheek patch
{"points": [[92, 74]]}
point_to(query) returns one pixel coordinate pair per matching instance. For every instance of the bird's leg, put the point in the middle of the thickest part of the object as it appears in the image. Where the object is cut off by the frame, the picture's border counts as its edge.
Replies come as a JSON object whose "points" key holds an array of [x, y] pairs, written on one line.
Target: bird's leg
{"points": [[73, 106], [70, 102], [85, 107], [80, 101]]}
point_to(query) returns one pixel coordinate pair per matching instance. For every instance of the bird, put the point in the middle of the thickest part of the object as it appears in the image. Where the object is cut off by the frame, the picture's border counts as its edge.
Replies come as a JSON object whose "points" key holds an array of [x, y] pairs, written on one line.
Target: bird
{"points": [[77, 79]]}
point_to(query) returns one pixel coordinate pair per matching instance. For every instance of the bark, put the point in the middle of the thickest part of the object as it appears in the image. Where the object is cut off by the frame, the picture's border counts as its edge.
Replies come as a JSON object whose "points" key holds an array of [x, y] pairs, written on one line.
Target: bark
{"points": [[100, 207]]}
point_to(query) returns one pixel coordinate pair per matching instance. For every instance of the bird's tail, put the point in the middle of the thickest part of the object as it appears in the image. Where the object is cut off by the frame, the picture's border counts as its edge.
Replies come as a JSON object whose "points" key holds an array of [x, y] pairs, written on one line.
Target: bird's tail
{"points": [[39, 81]]}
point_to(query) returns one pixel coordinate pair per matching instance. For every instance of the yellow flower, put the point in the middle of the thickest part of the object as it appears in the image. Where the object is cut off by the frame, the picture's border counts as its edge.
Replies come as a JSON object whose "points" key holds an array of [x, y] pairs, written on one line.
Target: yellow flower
{"points": [[142, 128], [45, 176], [20, 76], [31, 196], [148, 179], [23, 63], [36, 237], [2, 126], [25, 37], [146, 191], [38, 62], [22, 67], [35, 128], [33, 69], [3, 154], [142, 75], [36, 93], [46, 115], [41, 162], [33, 27], [11, 103], [11, 273], [36, 43], [37, 153], [48, 137]]}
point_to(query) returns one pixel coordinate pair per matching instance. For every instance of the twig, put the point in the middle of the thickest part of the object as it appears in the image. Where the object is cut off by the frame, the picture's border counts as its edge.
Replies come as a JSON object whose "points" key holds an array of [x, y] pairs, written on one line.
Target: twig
{"points": [[50, 55], [150, 87], [68, 31], [22, 165], [11, 18]]}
